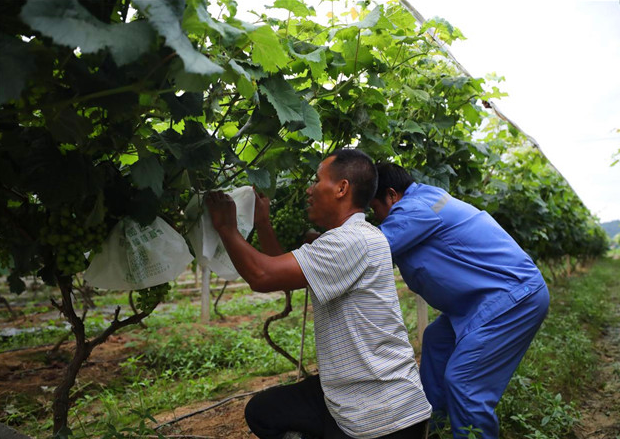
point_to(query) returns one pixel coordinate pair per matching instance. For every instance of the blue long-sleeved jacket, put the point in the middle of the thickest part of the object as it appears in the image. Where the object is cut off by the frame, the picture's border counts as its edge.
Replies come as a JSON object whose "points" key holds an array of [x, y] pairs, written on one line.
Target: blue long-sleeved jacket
{"points": [[457, 257]]}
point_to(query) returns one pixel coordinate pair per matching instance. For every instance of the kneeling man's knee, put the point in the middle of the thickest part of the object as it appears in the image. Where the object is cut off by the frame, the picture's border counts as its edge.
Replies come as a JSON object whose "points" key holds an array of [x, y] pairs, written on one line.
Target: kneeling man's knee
{"points": [[255, 415]]}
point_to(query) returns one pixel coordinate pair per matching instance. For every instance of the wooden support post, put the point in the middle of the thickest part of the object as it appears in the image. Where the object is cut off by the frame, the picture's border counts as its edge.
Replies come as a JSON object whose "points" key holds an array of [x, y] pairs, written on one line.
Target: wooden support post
{"points": [[196, 275], [422, 308], [205, 296]]}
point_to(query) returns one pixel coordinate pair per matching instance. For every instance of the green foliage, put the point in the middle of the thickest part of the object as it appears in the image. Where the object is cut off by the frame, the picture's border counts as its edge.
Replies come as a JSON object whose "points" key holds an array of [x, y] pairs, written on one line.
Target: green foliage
{"points": [[173, 101], [141, 430], [70, 24], [541, 399], [550, 417], [532, 201]]}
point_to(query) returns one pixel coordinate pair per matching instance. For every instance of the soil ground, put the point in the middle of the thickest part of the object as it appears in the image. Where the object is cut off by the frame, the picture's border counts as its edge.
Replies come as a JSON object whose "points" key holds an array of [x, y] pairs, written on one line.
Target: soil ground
{"points": [[33, 371]]}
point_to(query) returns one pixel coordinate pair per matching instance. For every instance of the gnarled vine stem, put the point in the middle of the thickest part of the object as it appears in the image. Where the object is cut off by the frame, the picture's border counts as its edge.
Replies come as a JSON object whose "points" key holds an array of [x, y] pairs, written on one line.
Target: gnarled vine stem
{"points": [[287, 310]]}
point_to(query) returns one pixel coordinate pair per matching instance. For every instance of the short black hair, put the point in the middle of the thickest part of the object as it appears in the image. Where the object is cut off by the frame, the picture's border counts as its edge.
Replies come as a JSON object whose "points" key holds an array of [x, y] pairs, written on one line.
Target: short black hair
{"points": [[392, 176], [358, 168]]}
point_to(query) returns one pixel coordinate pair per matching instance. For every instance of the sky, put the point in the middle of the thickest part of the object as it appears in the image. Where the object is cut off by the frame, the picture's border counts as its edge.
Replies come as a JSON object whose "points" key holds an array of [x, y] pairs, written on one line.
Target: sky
{"points": [[561, 64]]}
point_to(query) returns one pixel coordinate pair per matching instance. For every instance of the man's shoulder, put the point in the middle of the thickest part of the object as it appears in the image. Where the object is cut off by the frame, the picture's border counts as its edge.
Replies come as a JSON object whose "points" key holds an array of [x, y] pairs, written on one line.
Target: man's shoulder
{"points": [[359, 231], [349, 233], [423, 200]]}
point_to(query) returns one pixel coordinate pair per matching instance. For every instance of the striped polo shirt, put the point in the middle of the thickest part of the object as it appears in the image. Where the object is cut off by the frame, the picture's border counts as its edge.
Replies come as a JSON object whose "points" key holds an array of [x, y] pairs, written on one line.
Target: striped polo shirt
{"points": [[366, 364]]}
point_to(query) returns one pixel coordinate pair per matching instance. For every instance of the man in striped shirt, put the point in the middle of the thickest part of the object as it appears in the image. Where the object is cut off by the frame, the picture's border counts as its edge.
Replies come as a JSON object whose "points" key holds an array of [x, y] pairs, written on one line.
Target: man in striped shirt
{"points": [[368, 384]]}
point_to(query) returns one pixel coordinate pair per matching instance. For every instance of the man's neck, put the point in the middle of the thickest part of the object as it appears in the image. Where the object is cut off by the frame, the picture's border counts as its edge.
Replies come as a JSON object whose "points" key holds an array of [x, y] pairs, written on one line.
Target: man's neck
{"points": [[343, 217]]}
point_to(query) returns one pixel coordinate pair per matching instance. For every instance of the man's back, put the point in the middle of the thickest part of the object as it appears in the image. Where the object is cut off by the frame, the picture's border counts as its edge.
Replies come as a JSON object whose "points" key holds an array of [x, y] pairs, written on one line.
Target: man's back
{"points": [[454, 255]]}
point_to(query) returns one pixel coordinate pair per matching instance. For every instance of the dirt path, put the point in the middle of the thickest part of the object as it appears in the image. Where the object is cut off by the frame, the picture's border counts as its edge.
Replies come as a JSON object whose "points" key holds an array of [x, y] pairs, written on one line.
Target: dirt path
{"points": [[601, 411]]}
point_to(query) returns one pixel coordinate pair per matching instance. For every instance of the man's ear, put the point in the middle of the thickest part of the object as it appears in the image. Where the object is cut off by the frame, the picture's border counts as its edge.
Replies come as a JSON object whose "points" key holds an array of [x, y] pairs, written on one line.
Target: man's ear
{"points": [[343, 188], [393, 196]]}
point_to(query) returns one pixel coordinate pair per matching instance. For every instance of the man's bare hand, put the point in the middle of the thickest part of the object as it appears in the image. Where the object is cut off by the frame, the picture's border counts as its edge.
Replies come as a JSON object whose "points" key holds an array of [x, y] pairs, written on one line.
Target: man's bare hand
{"points": [[222, 209]]}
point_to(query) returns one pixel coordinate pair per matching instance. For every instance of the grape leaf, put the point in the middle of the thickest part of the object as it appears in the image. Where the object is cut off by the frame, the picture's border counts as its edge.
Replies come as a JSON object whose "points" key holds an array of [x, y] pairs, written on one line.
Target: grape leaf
{"points": [[295, 6], [312, 53], [67, 126], [242, 79], [188, 104], [245, 87], [239, 70], [375, 81], [313, 56], [351, 30], [412, 127], [197, 147], [282, 96], [68, 23], [259, 178], [471, 113], [268, 51], [59, 179], [370, 20], [198, 20], [416, 94], [357, 57], [312, 121], [162, 17], [148, 173]]}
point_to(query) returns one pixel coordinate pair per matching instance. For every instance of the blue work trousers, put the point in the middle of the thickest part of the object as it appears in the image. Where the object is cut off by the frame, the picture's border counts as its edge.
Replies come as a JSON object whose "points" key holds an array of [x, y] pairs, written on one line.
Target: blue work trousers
{"points": [[466, 379]]}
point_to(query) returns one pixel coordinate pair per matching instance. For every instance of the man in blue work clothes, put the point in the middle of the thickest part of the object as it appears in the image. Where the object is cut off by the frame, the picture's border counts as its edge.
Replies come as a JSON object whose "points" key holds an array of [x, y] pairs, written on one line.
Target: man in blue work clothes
{"points": [[492, 296]]}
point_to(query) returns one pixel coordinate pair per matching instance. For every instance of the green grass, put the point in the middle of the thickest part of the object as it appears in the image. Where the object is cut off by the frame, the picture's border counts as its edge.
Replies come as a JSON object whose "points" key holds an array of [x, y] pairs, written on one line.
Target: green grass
{"points": [[177, 361], [542, 399]]}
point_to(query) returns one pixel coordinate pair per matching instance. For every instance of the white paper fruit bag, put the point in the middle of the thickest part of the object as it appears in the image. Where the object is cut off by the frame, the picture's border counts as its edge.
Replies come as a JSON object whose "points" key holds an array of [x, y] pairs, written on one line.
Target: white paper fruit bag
{"points": [[206, 242], [135, 257]]}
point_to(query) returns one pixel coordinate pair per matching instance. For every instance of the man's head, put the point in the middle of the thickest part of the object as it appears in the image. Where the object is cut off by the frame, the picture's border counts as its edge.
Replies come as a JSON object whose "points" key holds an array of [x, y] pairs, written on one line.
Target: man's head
{"points": [[345, 183], [393, 182]]}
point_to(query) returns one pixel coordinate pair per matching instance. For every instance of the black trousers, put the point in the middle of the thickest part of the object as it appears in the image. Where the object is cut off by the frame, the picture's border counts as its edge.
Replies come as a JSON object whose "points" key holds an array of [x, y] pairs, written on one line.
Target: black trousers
{"points": [[300, 407]]}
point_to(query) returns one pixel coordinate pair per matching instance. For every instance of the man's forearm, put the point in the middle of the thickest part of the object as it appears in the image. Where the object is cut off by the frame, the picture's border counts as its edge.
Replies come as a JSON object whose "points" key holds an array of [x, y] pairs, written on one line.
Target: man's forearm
{"points": [[268, 240], [262, 272], [249, 262]]}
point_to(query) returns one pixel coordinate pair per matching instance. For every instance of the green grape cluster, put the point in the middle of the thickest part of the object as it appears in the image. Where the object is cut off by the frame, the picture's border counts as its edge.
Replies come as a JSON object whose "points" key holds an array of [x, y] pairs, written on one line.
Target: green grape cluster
{"points": [[71, 238], [149, 298], [290, 224]]}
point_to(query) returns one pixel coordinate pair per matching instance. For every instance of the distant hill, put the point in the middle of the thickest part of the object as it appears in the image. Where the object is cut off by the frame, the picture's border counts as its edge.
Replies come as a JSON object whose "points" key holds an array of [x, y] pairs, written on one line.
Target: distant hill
{"points": [[612, 228]]}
